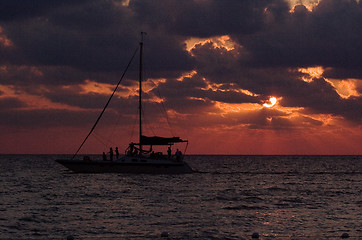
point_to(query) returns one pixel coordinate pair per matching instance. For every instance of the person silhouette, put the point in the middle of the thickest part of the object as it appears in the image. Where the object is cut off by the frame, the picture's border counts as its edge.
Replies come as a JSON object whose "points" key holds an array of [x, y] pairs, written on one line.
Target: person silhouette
{"points": [[111, 154], [178, 155], [117, 153], [169, 152]]}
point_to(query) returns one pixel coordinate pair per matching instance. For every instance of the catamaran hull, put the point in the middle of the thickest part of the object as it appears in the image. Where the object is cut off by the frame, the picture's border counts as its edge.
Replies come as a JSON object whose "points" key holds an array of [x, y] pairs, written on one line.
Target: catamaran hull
{"points": [[79, 166]]}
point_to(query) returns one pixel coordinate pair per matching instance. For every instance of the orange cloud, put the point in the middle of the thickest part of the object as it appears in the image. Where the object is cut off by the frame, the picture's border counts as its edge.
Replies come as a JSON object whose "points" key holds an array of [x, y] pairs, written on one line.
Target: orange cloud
{"points": [[311, 72], [223, 41], [32, 101], [4, 40], [345, 87], [309, 4]]}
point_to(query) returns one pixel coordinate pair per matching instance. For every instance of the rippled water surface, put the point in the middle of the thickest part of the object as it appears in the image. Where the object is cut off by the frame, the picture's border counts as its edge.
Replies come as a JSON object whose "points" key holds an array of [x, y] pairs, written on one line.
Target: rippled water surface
{"points": [[230, 197]]}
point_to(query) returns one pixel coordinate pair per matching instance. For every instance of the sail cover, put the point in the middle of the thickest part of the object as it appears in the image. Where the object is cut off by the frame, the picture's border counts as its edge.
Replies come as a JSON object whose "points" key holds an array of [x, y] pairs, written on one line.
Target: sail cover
{"points": [[160, 140]]}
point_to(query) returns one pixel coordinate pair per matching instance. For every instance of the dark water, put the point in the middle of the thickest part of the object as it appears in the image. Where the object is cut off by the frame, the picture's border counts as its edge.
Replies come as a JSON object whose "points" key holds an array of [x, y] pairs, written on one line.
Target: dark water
{"points": [[280, 197]]}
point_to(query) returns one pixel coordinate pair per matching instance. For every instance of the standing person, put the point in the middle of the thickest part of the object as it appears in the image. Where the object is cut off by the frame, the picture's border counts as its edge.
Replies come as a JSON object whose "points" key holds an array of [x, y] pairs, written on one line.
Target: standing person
{"points": [[104, 156], [111, 154], [117, 153], [169, 152], [178, 155], [130, 151]]}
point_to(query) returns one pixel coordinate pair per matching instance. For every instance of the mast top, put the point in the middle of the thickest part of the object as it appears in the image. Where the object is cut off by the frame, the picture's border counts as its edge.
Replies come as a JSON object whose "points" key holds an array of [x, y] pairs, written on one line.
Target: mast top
{"points": [[142, 33]]}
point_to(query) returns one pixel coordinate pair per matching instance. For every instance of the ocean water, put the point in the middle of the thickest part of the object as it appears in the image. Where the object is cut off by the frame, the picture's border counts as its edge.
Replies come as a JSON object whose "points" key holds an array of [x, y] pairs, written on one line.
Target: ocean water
{"points": [[230, 197]]}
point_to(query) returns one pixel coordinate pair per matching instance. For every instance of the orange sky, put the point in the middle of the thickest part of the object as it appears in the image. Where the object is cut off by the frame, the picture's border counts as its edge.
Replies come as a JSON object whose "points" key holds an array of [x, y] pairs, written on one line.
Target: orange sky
{"points": [[286, 130], [228, 90]]}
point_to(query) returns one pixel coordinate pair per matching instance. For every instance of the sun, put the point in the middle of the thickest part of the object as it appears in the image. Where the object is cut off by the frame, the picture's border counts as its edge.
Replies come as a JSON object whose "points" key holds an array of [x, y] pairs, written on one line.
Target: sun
{"points": [[271, 103]]}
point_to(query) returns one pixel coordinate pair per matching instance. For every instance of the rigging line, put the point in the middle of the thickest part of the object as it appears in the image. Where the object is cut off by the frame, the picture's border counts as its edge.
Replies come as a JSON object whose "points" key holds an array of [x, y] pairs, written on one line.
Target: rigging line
{"points": [[99, 117], [101, 139], [133, 127], [115, 125], [164, 109], [146, 124]]}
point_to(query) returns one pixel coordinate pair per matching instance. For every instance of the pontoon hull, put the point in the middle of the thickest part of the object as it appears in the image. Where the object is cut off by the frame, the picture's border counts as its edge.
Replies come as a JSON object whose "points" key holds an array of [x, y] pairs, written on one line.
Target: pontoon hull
{"points": [[161, 167]]}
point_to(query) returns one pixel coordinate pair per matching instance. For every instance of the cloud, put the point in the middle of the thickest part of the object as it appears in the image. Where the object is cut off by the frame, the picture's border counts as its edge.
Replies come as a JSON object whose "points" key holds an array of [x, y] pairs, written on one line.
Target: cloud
{"points": [[45, 118], [10, 103], [343, 73], [320, 96], [202, 18], [53, 55], [92, 36], [328, 36], [20, 10], [223, 66]]}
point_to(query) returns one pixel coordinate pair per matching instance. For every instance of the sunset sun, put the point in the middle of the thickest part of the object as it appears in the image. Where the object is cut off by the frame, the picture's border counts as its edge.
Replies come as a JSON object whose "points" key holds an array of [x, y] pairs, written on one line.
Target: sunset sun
{"points": [[272, 101]]}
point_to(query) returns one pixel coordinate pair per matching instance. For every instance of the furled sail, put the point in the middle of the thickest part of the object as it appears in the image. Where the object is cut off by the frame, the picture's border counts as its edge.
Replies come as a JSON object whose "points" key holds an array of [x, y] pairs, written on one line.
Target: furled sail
{"points": [[155, 140]]}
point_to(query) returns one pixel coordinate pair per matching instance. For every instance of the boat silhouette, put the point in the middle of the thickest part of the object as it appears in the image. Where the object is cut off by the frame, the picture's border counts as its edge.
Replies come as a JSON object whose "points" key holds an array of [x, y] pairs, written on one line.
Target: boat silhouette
{"points": [[136, 160]]}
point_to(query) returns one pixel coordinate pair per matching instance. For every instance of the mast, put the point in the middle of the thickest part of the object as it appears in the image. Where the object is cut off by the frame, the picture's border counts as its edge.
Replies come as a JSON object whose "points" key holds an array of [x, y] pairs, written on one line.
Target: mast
{"points": [[140, 92]]}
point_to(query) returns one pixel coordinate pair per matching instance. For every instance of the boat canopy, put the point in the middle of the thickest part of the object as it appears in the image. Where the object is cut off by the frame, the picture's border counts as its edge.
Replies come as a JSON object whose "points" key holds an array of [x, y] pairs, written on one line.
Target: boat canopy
{"points": [[155, 140]]}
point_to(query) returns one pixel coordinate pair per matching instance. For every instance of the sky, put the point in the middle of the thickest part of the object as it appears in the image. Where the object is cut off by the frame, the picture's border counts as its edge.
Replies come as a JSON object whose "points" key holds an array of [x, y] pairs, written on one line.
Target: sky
{"points": [[232, 77]]}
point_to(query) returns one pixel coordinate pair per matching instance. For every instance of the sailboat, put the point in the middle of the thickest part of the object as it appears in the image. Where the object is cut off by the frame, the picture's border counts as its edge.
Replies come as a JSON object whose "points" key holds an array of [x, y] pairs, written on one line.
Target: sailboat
{"points": [[136, 159]]}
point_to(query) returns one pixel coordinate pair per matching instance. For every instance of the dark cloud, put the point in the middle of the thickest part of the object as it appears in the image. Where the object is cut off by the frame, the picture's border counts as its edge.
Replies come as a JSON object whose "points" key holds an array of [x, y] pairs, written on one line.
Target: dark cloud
{"points": [[28, 76], [221, 66], [92, 36], [320, 97], [42, 43], [100, 35], [184, 97], [67, 42], [216, 63], [23, 9], [85, 101], [94, 102], [43, 118], [342, 73], [282, 123], [203, 18], [229, 96], [328, 36], [46, 118], [10, 103]]}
